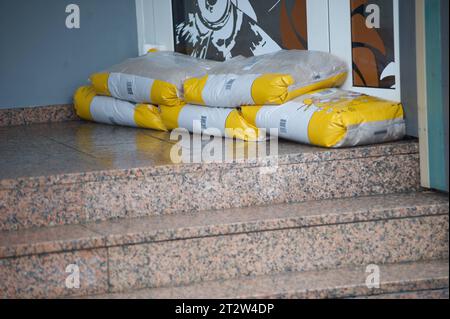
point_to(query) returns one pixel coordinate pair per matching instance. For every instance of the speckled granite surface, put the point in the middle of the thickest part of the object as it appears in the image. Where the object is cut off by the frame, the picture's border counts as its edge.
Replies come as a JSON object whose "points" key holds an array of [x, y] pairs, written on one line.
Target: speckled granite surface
{"points": [[48, 240], [222, 257], [129, 152], [76, 172], [284, 216], [44, 276], [37, 114], [55, 174], [176, 249], [336, 283], [421, 294], [221, 222]]}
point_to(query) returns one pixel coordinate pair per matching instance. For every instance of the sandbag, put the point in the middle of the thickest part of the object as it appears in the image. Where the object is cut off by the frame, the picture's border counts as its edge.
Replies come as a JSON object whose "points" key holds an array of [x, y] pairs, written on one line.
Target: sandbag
{"points": [[210, 120], [273, 78], [155, 78], [332, 118], [103, 109]]}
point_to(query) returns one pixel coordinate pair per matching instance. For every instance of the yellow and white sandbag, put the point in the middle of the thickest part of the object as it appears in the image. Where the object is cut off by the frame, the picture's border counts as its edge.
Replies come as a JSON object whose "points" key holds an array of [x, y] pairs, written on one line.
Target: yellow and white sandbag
{"points": [[273, 78], [210, 120], [155, 78], [332, 118], [103, 109]]}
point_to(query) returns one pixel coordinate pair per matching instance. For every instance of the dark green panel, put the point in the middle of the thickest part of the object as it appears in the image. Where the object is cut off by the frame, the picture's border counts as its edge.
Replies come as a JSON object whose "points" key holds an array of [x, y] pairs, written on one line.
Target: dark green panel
{"points": [[435, 102]]}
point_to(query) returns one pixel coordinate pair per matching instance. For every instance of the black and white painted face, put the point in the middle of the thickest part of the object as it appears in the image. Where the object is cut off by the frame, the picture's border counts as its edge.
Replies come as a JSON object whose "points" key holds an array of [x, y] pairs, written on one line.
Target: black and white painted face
{"points": [[222, 29], [214, 13]]}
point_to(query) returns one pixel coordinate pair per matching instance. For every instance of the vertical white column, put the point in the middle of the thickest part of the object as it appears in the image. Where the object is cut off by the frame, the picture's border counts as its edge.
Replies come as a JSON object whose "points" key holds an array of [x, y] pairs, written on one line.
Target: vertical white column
{"points": [[140, 25], [318, 25], [163, 23], [340, 34], [422, 93], [154, 24]]}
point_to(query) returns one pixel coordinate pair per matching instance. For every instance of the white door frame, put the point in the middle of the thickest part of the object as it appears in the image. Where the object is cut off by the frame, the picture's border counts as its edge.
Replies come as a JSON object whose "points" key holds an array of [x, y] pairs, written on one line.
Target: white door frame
{"points": [[340, 45], [154, 25], [317, 24]]}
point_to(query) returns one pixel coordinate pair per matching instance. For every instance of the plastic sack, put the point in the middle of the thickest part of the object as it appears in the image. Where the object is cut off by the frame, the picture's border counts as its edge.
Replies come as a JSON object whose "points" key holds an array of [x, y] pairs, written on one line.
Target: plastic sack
{"points": [[210, 120], [273, 78], [332, 118], [103, 109], [155, 78]]}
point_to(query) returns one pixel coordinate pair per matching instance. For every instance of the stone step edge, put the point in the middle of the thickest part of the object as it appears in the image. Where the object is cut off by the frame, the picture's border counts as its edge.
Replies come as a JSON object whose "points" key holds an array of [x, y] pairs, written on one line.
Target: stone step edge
{"points": [[220, 223], [348, 282], [37, 115], [402, 148], [439, 293]]}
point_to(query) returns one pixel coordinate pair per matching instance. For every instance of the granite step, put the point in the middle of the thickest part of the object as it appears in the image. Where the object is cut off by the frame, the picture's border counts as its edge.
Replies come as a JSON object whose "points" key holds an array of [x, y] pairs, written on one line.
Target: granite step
{"points": [[173, 250], [75, 172], [418, 294], [423, 280]]}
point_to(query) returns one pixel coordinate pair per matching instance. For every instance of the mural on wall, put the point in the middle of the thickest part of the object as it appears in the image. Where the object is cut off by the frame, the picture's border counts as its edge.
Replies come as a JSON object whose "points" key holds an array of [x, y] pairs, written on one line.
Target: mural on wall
{"points": [[373, 43], [222, 29]]}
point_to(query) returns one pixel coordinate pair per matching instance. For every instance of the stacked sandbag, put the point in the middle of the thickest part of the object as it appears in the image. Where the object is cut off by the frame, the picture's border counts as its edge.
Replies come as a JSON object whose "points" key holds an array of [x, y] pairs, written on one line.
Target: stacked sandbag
{"points": [[332, 118], [155, 78], [210, 120], [293, 91], [273, 78], [103, 109]]}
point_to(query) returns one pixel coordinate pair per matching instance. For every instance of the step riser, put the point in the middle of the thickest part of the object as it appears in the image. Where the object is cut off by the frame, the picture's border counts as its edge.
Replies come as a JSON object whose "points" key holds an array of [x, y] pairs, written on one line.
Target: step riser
{"points": [[427, 279], [167, 263], [44, 276], [436, 288], [37, 114], [325, 247], [423, 294], [204, 190]]}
